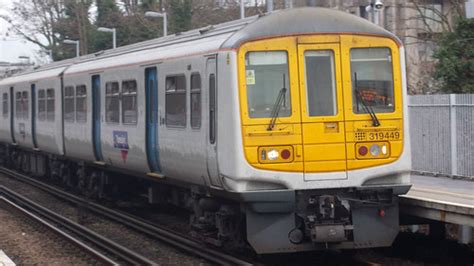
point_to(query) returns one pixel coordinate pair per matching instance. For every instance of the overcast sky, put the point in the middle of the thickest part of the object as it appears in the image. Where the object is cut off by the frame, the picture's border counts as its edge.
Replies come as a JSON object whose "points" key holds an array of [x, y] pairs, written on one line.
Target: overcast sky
{"points": [[11, 46]]}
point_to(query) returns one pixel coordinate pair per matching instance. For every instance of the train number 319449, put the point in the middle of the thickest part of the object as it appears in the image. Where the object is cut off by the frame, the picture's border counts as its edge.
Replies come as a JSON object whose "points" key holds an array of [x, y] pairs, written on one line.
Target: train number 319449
{"points": [[384, 135]]}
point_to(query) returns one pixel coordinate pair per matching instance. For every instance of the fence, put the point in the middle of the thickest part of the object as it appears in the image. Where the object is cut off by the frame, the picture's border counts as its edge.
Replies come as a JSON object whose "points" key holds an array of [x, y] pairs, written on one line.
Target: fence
{"points": [[442, 134]]}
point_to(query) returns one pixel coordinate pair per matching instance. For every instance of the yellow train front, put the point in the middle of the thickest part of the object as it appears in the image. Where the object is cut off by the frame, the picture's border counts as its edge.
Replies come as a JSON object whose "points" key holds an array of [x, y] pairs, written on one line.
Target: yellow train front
{"points": [[317, 149]]}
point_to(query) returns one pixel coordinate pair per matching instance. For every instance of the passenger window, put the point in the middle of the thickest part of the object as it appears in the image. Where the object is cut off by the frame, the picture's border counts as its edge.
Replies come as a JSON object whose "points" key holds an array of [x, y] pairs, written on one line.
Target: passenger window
{"points": [[69, 103], [50, 108], [320, 83], [129, 102], [41, 105], [5, 105], [196, 100], [81, 104], [176, 101], [26, 105], [18, 105], [112, 102]]}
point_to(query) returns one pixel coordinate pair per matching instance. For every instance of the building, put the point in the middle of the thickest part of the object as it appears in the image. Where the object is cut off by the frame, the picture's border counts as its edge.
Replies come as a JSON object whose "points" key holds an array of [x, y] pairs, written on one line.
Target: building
{"points": [[416, 22]]}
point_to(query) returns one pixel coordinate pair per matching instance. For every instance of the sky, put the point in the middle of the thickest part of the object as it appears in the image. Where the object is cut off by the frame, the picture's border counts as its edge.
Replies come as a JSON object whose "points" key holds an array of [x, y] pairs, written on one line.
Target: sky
{"points": [[12, 46]]}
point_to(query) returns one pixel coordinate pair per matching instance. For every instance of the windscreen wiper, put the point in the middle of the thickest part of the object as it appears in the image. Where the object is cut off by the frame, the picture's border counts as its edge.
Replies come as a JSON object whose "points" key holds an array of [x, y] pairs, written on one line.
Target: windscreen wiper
{"points": [[277, 106], [368, 109]]}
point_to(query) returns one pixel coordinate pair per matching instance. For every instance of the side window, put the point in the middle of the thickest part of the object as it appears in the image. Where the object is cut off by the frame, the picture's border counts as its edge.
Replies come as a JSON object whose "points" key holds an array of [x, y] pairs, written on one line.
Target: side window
{"points": [[50, 105], [69, 103], [176, 101], [41, 105], [26, 105], [129, 102], [18, 105], [81, 104], [196, 100], [212, 108], [5, 105], [112, 102]]}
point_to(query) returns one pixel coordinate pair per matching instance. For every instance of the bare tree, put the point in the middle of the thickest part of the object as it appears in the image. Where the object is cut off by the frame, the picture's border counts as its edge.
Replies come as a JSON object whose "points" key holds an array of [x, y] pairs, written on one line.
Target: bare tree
{"points": [[424, 23], [34, 21]]}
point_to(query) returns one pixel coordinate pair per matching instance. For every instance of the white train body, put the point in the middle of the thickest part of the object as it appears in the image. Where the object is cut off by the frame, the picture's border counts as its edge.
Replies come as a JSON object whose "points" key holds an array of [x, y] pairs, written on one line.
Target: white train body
{"points": [[211, 154]]}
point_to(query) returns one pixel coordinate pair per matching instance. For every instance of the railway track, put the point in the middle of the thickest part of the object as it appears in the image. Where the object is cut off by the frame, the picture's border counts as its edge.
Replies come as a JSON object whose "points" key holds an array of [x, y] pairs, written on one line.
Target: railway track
{"points": [[162, 234], [53, 221], [7, 197]]}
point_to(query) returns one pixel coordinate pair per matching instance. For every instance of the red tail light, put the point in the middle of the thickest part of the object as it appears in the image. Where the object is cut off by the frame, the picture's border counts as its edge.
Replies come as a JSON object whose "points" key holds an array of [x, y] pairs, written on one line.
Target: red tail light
{"points": [[363, 150], [285, 154]]}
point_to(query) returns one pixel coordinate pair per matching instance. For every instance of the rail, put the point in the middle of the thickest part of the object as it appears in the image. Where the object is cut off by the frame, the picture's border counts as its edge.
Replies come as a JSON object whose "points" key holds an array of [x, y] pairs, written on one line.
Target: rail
{"points": [[92, 252], [158, 232], [111, 247]]}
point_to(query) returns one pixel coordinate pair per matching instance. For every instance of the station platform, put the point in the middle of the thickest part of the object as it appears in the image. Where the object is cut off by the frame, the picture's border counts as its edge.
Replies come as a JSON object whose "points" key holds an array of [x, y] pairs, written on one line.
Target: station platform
{"points": [[441, 199], [5, 260], [444, 189]]}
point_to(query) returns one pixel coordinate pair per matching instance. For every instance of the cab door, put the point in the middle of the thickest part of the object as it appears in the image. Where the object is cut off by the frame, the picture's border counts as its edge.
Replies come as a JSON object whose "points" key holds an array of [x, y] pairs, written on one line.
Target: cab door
{"points": [[211, 146], [322, 111]]}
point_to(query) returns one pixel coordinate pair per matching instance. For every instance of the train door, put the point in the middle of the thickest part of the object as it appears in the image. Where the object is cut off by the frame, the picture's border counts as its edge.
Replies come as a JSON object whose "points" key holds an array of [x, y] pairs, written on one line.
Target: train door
{"points": [[96, 121], [12, 115], [211, 147], [322, 111], [33, 115], [151, 105]]}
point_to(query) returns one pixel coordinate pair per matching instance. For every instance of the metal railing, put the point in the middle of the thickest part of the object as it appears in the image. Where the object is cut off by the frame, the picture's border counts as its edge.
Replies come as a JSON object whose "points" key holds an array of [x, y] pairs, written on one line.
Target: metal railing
{"points": [[442, 134]]}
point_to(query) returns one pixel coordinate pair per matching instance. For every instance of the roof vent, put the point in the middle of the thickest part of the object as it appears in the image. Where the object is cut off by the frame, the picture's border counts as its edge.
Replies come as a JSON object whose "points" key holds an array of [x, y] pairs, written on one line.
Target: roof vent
{"points": [[205, 30]]}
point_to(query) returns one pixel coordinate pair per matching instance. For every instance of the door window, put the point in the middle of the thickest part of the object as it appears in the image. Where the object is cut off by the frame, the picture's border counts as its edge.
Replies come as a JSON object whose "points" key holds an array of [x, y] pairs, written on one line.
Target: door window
{"points": [[320, 83], [212, 108]]}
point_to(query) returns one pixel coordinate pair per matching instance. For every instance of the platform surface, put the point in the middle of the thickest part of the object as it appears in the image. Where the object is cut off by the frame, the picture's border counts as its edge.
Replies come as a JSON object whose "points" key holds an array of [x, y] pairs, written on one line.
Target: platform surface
{"points": [[442, 189], [5, 260], [440, 198]]}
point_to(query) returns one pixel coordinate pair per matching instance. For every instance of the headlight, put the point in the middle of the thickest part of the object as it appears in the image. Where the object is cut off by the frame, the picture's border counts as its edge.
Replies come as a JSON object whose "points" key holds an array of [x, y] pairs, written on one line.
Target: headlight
{"points": [[375, 150], [273, 155]]}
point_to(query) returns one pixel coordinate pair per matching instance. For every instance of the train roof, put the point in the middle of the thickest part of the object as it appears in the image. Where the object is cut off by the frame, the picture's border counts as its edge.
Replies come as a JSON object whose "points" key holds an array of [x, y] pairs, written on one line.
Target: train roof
{"points": [[229, 35]]}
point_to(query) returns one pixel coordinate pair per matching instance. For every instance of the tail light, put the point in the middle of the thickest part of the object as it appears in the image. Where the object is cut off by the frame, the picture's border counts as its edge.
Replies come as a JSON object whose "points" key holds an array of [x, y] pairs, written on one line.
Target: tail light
{"points": [[285, 154], [363, 150]]}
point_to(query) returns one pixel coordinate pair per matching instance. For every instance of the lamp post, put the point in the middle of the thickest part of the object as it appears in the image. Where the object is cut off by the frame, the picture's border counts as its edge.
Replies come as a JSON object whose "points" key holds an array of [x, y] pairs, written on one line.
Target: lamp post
{"points": [[73, 42], [374, 7], [114, 34], [269, 5], [469, 9], [163, 15], [242, 9]]}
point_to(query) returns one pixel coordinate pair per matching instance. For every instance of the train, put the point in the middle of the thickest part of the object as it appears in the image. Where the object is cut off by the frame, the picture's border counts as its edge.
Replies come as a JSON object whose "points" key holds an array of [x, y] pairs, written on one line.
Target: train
{"points": [[283, 132]]}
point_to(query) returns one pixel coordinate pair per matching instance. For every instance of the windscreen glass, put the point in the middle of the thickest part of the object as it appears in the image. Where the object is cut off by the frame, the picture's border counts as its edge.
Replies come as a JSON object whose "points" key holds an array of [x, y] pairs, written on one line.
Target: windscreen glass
{"points": [[266, 74], [372, 80]]}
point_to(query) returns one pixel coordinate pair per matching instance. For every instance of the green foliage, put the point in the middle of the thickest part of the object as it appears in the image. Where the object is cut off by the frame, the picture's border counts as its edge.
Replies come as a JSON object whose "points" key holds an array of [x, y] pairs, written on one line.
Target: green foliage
{"points": [[455, 55], [181, 15]]}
